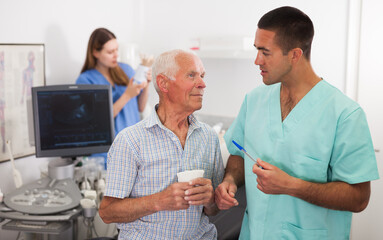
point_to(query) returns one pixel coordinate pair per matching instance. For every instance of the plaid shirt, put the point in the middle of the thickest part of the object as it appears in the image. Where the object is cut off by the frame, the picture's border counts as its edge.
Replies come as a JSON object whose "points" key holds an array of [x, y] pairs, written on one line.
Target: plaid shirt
{"points": [[145, 158]]}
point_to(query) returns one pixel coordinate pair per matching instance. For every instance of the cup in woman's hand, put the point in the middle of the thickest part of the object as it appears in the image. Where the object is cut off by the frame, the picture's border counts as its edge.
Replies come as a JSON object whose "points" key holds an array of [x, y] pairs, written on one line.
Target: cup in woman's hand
{"points": [[140, 75]]}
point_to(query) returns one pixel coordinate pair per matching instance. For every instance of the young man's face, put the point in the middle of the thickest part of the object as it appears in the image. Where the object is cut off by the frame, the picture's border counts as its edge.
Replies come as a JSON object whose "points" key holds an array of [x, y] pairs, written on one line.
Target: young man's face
{"points": [[188, 87], [108, 55], [273, 64]]}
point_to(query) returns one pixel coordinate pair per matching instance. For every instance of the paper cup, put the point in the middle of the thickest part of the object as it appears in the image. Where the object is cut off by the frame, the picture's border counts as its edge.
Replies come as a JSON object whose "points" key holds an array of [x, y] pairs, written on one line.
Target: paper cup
{"points": [[186, 176], [140, 75]]}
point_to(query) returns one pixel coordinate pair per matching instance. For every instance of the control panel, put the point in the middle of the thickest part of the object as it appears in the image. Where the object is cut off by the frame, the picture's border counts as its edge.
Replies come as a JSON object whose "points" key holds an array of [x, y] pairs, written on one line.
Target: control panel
{"points": [[44, 196]]}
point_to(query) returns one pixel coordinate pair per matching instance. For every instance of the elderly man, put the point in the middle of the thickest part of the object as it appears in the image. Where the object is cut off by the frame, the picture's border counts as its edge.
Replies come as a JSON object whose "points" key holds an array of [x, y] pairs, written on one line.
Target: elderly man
{"points": [[142, 192]]}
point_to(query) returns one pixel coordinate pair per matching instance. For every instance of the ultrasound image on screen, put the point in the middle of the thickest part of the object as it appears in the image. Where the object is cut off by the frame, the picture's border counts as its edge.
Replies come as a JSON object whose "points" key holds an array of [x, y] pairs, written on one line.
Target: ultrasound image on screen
{"points": [[74, 119]]}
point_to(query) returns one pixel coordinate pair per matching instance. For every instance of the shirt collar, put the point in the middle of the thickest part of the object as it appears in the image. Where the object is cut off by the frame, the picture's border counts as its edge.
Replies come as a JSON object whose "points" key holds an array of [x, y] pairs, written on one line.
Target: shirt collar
{"points": [[153, 120]]}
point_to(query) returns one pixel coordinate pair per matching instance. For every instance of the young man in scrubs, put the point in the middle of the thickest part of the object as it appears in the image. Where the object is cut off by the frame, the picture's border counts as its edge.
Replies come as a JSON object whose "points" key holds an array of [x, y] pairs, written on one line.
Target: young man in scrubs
{"points": [[315, 157]]}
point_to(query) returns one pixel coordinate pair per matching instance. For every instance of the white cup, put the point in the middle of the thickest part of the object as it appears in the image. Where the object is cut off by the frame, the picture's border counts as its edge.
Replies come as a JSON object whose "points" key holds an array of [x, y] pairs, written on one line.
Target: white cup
{"points": [[187, 176], [140, 75]]}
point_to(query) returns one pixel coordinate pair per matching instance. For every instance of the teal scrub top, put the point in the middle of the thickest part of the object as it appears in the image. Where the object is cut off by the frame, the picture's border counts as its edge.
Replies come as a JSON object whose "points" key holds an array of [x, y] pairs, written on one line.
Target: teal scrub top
{"points": [[324, 138]]}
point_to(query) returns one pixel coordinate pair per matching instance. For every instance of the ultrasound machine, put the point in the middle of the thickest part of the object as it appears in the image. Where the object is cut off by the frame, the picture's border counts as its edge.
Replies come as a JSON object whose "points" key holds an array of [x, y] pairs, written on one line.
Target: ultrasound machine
{"points": [[69, 121]]}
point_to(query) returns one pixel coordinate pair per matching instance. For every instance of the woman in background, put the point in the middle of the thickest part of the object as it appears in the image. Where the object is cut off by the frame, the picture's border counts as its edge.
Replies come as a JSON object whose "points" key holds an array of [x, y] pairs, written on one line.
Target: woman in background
{"points": [[101, 67]]}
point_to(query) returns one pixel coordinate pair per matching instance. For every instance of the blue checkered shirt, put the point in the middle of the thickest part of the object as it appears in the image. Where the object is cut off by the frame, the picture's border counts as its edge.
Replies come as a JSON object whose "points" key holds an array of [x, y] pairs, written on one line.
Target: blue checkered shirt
{"points": [[144, 159]]}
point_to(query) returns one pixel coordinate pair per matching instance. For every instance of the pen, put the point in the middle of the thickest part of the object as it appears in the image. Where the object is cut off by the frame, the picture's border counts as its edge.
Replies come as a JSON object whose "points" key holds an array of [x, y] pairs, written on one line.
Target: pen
{"points": [[244, 151]]}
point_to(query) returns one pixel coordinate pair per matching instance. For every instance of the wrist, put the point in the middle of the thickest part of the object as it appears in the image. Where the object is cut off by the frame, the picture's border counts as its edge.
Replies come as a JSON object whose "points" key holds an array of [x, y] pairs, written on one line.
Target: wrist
{"points": [[126, 96], [295, 187], [229, 179], [210, 205], [144, 90], [156, 204], [212, 209]]}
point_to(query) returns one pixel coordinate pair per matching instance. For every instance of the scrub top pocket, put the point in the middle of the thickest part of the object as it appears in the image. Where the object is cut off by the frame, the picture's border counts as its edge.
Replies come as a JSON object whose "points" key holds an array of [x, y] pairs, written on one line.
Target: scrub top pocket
{"points": [[310, 169], [292, 232]]}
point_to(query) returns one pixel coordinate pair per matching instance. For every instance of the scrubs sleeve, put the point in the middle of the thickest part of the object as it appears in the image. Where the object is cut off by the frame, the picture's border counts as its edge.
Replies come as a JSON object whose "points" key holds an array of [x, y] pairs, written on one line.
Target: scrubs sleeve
{"points": [[84, 79], [236, 131], [353, 159], [122, 168]]}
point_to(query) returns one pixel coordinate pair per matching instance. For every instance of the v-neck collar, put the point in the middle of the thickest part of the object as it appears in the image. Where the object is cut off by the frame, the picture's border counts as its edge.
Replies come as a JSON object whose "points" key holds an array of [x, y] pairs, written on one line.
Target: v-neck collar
{"points": [[279, 129], [96, 72]]}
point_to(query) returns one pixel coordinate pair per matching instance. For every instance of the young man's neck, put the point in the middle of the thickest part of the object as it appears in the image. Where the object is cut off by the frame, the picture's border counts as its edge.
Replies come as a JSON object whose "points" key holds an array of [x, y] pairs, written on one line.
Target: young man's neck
{"points": [[299, 82]]}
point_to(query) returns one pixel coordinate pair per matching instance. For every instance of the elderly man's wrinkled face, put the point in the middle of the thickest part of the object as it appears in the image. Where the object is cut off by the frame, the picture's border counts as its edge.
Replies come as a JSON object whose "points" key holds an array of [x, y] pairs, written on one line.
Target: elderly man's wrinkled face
{"points": [[188, 87]]}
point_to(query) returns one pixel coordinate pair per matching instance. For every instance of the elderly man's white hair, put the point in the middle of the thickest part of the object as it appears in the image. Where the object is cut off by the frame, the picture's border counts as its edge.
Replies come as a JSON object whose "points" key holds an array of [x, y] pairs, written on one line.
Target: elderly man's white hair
{"points": [[167, 65]]}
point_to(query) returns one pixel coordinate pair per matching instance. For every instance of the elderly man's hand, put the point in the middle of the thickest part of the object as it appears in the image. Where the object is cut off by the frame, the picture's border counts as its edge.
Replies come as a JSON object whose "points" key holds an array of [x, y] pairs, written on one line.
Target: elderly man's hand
{"points": [[200, 193], [173, 197]]}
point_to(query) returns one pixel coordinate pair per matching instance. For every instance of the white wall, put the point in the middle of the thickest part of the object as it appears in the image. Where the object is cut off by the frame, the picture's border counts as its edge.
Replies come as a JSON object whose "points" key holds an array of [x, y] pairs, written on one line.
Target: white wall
{"points": [[228, 80], [155, 26], [368, 224], [64, 28]]}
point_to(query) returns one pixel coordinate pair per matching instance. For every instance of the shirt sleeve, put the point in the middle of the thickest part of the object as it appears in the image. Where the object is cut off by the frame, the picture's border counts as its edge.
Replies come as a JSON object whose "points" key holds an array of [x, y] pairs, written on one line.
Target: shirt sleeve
{"points": [[353, 158], [121, 168], [236, 131], [218, 164]]}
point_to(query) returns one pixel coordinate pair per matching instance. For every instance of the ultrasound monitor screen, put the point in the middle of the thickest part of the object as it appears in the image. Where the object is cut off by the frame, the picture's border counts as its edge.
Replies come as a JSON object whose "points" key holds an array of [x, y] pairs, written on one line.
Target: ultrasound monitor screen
{"points": [[72, 120]]}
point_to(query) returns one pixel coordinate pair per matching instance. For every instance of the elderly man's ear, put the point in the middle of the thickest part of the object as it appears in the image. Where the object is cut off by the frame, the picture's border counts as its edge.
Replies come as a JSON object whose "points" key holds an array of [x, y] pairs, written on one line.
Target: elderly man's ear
{"points": [[162, 82]]}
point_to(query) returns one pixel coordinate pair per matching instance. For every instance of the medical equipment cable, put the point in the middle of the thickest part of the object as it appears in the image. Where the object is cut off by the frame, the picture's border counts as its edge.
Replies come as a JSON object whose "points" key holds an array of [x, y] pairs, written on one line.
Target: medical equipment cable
{"points": [[16, 174]]}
